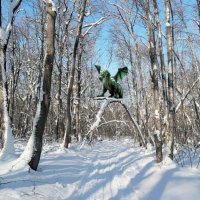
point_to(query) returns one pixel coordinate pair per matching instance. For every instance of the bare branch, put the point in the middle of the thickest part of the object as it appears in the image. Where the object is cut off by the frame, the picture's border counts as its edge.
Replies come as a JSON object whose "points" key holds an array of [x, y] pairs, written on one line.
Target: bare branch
{"points": [[185, 96], [92, 25]]}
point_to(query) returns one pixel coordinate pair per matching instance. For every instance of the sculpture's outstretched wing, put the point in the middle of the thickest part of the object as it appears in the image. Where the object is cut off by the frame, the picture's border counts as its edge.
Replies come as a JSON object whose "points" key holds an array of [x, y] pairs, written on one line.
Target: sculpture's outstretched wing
{"points": [[121, 73], [98, 67]]}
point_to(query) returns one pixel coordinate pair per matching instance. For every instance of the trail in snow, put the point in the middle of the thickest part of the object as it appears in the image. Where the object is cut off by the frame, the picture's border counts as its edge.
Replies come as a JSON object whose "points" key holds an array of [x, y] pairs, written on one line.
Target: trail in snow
{"points": [[114, 170]]}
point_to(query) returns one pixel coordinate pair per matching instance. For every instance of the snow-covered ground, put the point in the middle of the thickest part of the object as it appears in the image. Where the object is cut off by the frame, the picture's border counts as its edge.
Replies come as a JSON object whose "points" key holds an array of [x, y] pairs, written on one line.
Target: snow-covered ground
{"points": [[106, 170]]}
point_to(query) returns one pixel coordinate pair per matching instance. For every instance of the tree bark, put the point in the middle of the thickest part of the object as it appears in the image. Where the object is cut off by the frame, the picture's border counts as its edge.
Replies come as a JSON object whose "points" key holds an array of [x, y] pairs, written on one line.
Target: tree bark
{"points": [[71, 80], [154, 65], [171, 108], [4, 40], [198, 6], [160, 50], [59, 131], [78, 106], [46, 86]]}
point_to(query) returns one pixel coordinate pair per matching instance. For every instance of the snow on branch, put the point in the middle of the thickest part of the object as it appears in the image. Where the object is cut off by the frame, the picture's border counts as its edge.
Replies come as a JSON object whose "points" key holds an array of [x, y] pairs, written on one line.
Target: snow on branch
{"points": [[185, 96], [197, 22], [96, 123], [102, 19], [94, 24], [198, 106], [98, 118], [27, 154], [8, 148], [120, 7], [51, 2], [114, 121], [14, 5], [107, 98]]}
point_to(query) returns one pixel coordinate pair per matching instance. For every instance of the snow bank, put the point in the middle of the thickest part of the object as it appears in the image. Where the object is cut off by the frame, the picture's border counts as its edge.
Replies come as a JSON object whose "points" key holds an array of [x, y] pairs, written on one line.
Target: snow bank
{"points": [[114, 170]]}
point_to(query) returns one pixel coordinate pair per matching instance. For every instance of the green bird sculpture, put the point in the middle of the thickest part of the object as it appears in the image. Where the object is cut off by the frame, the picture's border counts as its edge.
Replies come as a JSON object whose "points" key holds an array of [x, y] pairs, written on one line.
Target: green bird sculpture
{"points": [[110, 83]]}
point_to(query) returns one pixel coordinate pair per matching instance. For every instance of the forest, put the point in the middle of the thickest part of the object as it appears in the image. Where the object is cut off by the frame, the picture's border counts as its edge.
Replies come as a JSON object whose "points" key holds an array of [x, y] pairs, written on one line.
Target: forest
{"points": [[53, 54]]}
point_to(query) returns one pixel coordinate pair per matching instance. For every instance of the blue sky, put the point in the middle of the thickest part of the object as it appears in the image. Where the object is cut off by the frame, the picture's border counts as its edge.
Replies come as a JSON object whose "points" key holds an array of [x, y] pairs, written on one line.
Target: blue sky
{"points": [[104, 44]]}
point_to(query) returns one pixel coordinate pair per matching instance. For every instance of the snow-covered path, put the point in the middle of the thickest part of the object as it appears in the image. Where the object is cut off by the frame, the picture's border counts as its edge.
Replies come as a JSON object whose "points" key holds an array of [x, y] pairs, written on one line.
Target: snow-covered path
{"points": [[107, 170]]}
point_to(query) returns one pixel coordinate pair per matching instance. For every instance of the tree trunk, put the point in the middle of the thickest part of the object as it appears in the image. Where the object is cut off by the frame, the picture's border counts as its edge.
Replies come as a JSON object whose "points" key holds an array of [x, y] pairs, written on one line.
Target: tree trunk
{"points": [[8, 133], [78, 106], [1, 92], [198, 5], [71, 81], [44, 102], [8, 147], [169, 136], [59, 131], [160, 50], [154, 76]]}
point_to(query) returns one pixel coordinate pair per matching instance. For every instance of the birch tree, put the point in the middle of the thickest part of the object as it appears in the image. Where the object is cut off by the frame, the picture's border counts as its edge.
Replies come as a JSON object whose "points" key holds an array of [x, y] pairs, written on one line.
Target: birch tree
{"points": [[171, 108], [4, 41], [154, 65]]}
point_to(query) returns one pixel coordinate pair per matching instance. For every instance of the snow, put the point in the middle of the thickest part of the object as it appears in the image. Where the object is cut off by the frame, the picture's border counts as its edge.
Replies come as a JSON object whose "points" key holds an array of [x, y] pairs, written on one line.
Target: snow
{"points": [[157, 114], [27, 154], [53, 5], [3, 36], [8, 149], [109, 169], [98, 120], [98, 116]]}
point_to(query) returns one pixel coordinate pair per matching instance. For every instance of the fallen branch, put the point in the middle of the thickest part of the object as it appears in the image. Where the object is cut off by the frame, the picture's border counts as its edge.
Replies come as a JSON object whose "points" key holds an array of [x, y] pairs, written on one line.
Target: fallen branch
{"points": [[114, 121], [107, 98], [135, 124], [95, 125]]}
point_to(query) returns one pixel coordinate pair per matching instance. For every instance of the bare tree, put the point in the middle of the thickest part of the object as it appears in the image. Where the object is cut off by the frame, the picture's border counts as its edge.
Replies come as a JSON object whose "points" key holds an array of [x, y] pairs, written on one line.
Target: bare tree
{"points": [[4, 40], [71, 78], [171, 108], [78, 105], [45, 90], [154, 65]]}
